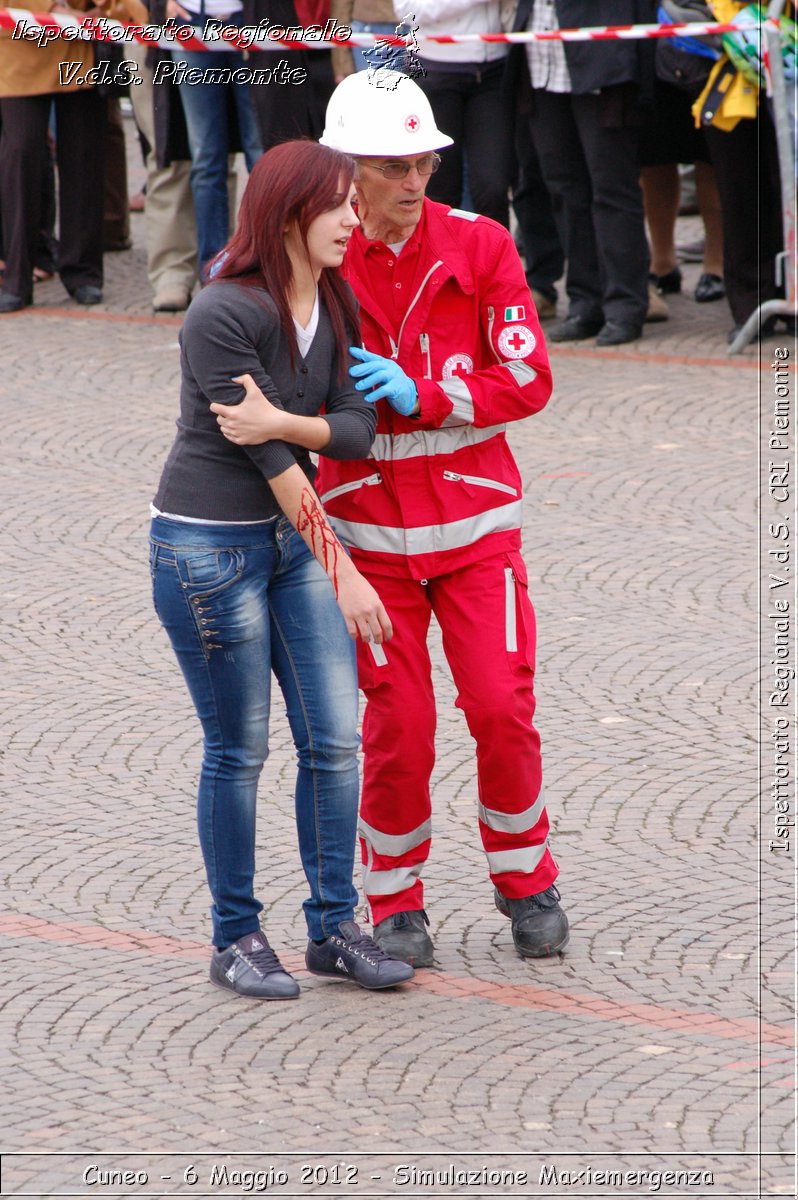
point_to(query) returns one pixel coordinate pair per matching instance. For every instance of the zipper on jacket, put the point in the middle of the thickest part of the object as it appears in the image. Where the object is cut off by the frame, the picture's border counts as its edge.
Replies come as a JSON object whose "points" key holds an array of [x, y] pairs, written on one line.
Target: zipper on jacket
{"points": [[491, 319], [369, 481], [478, 481], [424, 340], [414, 301], [510, 630]]}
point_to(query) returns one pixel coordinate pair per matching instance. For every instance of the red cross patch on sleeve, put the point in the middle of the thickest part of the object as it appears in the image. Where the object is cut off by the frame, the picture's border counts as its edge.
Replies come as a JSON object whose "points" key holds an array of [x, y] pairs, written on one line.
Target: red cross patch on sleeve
{"points": [[516, 341], [457, 364]]}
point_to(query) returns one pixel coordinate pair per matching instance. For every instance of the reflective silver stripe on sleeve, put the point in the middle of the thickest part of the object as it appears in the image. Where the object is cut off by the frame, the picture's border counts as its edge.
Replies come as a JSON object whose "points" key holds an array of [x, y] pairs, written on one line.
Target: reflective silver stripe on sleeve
{"points": [[426, 539], [425, 442], [521, 372], [394, 844], [463, 405], [463, 214], [524, 860], [513, 822], [388, 883]]}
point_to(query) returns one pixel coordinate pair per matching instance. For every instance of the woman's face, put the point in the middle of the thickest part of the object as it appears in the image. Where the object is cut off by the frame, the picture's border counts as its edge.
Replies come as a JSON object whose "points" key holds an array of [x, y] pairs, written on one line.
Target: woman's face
{"points": [[328, 235]]}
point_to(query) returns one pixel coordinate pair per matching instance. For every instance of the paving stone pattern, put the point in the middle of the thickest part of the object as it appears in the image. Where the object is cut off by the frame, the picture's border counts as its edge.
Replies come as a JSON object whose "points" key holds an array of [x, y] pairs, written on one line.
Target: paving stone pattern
{"points": [[643, 1040]]}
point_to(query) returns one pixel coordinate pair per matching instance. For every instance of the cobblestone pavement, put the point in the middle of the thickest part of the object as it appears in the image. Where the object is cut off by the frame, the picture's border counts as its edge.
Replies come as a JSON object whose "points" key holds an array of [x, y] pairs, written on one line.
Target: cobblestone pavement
{"points": [[660, 1041]]}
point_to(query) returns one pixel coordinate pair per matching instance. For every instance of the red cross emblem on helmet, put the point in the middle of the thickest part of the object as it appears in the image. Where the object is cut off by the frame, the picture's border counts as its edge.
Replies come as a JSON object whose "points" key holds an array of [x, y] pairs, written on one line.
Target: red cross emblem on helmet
{"points": [[412, 123]]}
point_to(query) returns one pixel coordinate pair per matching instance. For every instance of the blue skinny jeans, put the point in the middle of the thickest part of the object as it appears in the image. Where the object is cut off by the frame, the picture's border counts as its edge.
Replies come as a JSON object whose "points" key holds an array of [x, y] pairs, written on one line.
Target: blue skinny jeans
{"points": [[238, 602]]}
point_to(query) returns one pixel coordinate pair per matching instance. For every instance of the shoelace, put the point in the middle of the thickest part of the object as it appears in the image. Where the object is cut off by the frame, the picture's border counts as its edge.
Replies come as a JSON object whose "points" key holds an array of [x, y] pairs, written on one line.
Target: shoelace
{"points": [[367, 948], [264, 961], [403, 920], [548, 898]]}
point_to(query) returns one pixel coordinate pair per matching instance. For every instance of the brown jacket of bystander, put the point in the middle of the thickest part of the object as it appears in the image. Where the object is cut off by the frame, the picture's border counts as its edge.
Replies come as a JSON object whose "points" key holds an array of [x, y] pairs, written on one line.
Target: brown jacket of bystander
{"points": [[30, 69]]}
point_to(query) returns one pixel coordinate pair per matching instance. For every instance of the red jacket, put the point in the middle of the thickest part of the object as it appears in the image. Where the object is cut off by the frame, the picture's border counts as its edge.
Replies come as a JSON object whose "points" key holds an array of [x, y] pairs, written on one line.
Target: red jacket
{"points": [[442, 489]]}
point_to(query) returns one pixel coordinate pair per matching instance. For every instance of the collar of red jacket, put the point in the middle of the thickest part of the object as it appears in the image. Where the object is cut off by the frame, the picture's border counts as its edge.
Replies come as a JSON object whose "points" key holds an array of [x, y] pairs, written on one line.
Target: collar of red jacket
{"points": [[436, 236]]}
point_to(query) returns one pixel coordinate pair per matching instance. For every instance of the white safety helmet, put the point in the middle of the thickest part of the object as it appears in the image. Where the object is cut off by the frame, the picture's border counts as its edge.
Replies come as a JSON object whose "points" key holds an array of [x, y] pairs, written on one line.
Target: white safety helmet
{"points": [[381, 112]]}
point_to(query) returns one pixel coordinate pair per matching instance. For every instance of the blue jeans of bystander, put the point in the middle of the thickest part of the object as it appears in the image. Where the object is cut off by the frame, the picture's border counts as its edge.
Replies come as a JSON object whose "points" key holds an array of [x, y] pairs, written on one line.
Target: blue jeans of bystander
{"points": [[378, 55], [206, 109]]}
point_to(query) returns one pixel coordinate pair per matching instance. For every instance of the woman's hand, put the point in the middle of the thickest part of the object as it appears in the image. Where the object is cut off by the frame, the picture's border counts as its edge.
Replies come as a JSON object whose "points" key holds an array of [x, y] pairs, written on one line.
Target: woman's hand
{"points": [[254, 420], [364, 613]]}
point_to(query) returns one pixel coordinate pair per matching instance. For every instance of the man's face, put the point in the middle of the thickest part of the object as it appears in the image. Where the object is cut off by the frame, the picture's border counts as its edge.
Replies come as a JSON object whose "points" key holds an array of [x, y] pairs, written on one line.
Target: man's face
{"points": [[389, 208]]}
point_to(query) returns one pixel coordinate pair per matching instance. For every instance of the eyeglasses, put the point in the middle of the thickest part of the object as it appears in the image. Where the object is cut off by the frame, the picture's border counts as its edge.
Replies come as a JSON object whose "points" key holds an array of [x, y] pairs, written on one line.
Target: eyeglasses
{"points": [[427, 165]]}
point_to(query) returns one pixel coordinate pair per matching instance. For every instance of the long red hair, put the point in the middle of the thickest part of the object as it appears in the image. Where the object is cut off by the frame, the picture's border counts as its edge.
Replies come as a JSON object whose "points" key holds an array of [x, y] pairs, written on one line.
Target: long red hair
{"points": [[294, 182]]}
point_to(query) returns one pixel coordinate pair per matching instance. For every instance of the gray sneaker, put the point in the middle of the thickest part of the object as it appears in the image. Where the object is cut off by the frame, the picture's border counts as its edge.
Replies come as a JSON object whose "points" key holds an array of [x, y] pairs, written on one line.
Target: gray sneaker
{"points": [[539, 925], [403, 936], [352, 954], [251, 968]]}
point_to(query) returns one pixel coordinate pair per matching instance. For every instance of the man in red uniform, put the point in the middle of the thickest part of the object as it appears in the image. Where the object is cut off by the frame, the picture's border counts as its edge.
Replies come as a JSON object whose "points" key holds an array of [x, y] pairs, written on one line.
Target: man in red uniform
{"points": [[433, 517]]}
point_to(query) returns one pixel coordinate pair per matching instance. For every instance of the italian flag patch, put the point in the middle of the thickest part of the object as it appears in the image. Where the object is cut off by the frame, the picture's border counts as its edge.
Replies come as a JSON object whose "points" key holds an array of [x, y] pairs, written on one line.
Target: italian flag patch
{"points": [[515, 314]]}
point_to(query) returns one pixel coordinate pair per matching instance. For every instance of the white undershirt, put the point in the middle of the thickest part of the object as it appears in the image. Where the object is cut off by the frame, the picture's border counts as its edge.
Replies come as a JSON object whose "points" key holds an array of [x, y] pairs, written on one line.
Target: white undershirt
{"points": [[306, 333], [156, 512]]}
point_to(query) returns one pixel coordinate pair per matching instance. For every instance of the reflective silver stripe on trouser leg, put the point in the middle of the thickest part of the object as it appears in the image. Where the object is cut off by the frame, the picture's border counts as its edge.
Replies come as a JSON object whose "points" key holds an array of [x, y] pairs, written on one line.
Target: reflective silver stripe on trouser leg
{"points": [[378, 882], [390, 883], [524, 860], [513, 822]]}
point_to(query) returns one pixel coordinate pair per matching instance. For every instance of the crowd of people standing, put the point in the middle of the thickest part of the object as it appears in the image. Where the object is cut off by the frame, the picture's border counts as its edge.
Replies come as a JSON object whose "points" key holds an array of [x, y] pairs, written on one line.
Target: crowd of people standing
{"points": [[583, 143]]}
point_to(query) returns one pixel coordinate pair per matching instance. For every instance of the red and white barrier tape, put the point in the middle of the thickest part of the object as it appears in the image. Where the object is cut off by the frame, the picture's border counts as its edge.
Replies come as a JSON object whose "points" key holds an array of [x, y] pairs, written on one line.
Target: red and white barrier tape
{"points": [[44, 28]]}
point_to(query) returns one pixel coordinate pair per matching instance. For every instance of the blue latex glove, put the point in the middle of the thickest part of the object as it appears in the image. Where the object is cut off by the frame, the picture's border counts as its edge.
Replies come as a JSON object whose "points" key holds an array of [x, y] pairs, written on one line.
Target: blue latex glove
{"points": [[390, 381]]}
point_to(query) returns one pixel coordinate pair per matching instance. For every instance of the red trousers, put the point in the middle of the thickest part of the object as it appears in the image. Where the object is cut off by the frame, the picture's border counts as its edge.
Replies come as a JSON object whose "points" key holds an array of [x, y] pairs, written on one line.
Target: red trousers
{"points": [[488, 628]]}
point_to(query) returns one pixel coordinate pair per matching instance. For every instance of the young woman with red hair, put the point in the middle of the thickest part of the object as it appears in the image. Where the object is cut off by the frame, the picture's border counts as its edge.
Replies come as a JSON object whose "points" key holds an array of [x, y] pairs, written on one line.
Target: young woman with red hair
{"points": [[248, 575]]}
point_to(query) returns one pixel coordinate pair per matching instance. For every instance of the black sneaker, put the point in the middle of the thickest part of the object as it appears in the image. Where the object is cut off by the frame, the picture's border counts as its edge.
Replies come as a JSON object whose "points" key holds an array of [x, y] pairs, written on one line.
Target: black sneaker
{"points": [[540, 927], [403, 936], [251, 968], [350, 954]]}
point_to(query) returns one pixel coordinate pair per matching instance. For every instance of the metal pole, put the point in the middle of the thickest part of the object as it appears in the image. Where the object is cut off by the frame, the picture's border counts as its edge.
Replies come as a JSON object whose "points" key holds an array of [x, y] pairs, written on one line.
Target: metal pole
{"points": [[786, 148], [785, 265]]}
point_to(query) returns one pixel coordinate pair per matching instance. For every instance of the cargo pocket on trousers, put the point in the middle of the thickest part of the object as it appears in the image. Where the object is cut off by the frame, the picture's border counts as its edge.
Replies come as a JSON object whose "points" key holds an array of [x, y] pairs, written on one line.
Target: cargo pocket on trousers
{"points": [[519, 616]]}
